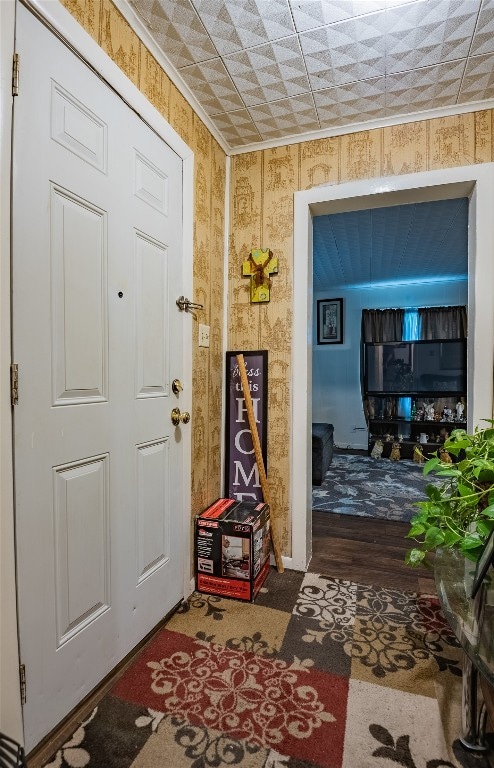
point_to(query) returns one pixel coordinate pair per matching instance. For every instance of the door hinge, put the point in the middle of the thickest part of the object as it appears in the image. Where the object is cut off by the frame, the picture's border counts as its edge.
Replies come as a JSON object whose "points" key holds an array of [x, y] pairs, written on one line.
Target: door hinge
{"points": [[14, 384], [15, 75], [22, 680]]}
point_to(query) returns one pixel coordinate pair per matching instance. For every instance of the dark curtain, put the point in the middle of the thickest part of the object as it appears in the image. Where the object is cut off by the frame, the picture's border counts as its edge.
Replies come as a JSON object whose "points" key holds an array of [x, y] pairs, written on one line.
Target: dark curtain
{"points": [[443, 322], [378, 325], [382, 324]]}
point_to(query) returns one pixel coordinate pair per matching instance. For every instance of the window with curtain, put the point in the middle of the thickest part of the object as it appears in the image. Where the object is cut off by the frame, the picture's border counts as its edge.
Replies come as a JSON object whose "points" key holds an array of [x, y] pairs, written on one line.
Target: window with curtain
{"points": [[411, 324]]}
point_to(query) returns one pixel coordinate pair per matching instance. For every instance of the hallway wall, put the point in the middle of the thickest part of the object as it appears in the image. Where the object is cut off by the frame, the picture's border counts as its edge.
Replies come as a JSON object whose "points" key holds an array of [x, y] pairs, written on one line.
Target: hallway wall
{"points": [[261, 215]]}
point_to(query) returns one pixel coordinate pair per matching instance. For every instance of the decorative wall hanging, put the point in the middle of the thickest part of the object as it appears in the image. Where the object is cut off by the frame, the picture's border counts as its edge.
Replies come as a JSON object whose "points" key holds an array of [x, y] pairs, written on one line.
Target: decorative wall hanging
{"points": [[330, 321], [242, 480], [259, 266]]}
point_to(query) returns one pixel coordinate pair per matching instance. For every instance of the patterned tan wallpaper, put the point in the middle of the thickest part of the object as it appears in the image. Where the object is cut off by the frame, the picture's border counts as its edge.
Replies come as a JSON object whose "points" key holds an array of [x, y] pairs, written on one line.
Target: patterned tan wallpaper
{"points": [[112, 32], [261, 215]]}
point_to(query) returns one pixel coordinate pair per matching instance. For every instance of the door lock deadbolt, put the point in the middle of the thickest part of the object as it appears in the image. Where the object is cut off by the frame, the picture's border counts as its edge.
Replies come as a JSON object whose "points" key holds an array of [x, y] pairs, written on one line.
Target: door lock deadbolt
{"points": [[177, 386]]}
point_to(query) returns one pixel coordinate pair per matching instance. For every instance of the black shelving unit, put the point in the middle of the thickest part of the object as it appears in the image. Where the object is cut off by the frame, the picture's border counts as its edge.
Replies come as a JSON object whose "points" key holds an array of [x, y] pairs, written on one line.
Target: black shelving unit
{"points": [[408, 433]]}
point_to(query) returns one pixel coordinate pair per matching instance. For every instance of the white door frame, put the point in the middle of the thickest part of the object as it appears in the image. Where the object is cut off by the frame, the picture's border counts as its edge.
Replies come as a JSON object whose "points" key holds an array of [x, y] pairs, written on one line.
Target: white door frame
{"points": [[476, 182], [70, 31]]}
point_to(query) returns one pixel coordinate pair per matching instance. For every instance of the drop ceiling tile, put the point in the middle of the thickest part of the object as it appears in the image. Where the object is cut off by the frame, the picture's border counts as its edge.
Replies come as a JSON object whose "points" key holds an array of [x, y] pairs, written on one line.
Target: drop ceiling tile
{"points": [[478, 82], [425, 88], [483, 39], [239, 54], [177, 29], [352, 103], [286, 117], [310, 14], [213, 86], [237, 128], [269, 72], [237, 24], [427, 33], [345, 52]]}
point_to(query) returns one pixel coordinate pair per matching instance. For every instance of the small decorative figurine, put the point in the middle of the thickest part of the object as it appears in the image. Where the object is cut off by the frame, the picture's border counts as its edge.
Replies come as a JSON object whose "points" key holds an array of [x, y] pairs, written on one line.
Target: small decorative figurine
{"points": [[444, 456], [395, 454], [447, 414], [418, 456], [460, 408], [429, 412], [377, 450]]}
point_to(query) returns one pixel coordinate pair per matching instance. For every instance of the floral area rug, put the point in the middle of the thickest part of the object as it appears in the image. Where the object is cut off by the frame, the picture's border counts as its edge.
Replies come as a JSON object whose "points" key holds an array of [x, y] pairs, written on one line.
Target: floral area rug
{"points": [[318, 673], [380, 488]]}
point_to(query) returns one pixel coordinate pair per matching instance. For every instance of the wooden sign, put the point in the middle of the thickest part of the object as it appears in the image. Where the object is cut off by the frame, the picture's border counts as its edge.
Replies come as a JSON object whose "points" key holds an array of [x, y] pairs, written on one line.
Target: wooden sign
{"points": [[242, 480]]}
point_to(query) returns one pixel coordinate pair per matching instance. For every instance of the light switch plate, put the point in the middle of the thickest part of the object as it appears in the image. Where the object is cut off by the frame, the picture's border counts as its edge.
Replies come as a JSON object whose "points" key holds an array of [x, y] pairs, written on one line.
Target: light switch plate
{"points": [[203, 335]]}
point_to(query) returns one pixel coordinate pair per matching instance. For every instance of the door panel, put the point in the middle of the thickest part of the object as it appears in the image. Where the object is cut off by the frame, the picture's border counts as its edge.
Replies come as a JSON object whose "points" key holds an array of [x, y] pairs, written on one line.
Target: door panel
{"points": [[82, 544], [97, 266], [153, 529], [78, 299], [151, 274]]}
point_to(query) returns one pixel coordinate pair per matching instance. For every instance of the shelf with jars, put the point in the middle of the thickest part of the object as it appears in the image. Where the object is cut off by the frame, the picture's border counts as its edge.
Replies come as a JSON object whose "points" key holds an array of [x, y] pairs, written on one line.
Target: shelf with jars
{"points": [[399, 424]]}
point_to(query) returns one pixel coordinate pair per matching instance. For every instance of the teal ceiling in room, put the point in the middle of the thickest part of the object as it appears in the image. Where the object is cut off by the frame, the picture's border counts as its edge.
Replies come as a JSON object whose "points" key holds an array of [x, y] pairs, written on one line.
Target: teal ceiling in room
{"points": [[398, 244]]}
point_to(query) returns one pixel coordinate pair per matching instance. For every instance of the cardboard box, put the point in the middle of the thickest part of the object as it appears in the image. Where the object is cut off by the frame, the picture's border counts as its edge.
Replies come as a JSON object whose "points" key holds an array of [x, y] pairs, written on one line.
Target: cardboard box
{"points": [[232, 546]]}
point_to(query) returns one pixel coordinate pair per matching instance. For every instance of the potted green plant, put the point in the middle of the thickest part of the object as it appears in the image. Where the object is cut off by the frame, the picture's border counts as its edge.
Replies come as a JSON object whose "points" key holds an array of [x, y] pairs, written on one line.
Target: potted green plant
{"points": [[459, 509]]}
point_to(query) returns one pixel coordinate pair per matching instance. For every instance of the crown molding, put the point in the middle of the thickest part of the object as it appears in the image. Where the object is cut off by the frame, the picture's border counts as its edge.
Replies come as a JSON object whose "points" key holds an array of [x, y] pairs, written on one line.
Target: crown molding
{"points": [[430, 114]]}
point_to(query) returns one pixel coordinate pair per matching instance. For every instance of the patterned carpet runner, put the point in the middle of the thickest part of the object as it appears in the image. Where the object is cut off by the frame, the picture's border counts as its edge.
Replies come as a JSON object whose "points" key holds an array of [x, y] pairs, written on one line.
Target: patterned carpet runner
{"points": [[318, 673], [379, 488]]}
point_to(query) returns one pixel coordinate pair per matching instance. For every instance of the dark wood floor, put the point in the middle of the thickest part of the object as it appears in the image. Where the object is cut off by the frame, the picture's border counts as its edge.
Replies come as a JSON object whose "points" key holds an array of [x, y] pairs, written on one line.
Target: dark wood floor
{"points": [[367, 551]]}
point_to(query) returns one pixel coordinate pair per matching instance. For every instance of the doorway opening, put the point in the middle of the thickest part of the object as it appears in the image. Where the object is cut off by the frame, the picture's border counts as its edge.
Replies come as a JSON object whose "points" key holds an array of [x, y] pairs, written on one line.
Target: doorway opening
{"points": [[395, 267], [473, 182]]}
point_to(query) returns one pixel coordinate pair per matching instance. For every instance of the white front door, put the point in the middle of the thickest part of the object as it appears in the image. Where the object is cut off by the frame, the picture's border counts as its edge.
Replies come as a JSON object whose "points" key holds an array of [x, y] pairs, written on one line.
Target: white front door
{"points": [[97, 336]]}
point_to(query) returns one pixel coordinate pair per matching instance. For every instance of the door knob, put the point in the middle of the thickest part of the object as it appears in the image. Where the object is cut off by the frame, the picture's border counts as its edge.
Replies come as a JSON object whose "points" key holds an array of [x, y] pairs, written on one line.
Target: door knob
{"points": [[178, 417]]}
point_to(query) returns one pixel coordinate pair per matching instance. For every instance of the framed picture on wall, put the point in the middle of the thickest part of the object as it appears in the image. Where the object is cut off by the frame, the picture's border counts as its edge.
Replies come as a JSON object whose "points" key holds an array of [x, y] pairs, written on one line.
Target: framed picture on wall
{"points": [[330, 321]]}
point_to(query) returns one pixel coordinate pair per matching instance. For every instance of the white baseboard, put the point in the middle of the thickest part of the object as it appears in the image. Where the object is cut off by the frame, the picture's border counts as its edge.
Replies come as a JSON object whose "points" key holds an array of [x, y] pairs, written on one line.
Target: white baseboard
{"points": [[287, 562]]}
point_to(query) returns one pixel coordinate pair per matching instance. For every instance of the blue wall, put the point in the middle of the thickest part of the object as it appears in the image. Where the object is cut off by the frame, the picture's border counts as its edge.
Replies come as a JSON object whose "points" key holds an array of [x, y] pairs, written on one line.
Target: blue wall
{"points": [[336, 395]]}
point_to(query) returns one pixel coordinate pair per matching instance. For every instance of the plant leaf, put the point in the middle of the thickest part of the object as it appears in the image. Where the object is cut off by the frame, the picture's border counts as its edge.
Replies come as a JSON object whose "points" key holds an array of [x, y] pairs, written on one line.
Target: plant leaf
{"points": [[415, 530], [471, 541], [433, 492], [434, 536], [414, 557], [484, 527], [488, 511], [430, 465], [450, 538]]}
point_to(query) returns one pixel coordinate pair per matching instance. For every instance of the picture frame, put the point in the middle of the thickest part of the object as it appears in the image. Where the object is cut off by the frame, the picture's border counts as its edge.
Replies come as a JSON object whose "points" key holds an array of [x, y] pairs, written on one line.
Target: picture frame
{"points": [[330, 321], [483, 564]]}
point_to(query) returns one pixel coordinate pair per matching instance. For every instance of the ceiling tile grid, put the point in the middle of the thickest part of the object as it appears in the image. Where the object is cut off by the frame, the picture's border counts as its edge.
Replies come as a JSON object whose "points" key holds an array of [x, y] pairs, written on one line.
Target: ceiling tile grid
{"points": [[275, 69], [398, 244]]}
